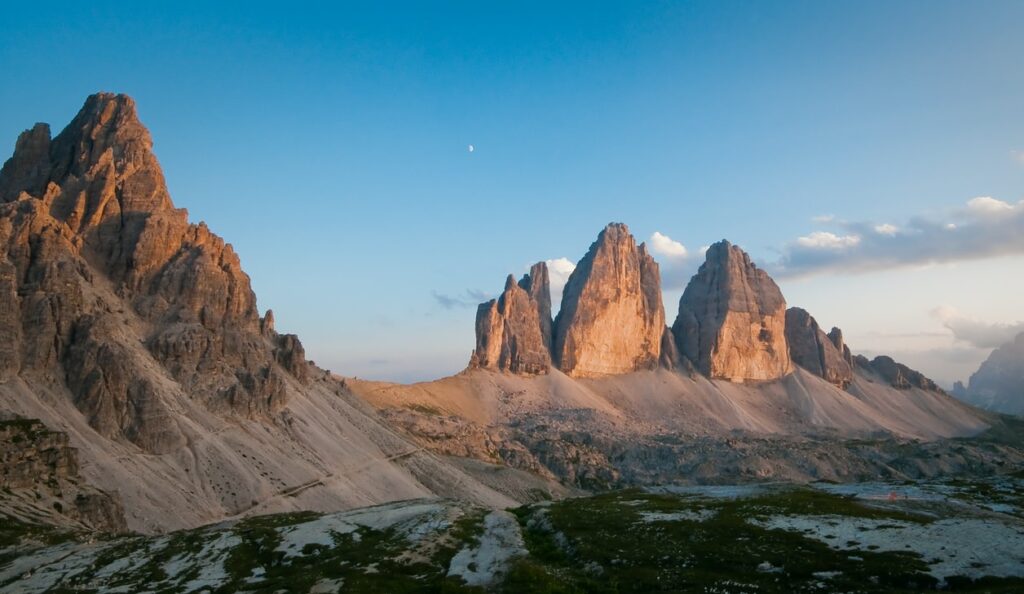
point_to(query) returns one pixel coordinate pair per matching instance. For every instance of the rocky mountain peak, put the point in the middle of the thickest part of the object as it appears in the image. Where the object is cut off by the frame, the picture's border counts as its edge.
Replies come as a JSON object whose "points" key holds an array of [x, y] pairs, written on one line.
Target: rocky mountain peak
{"points": [[611, 319], [815, 351], [513, 331], [109, 290], [105, 143], [998, 384], [731, 321], [538, 284]]}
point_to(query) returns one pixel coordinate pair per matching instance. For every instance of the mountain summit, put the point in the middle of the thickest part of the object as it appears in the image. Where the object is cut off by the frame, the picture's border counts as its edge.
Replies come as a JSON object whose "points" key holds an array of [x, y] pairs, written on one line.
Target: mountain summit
{"points": [[135, 335], [88, 225]]}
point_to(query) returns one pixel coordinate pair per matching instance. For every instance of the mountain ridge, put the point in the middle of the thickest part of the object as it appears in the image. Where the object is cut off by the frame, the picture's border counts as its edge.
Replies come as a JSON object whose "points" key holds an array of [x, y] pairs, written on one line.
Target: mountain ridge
{"points": [[136, 333]]}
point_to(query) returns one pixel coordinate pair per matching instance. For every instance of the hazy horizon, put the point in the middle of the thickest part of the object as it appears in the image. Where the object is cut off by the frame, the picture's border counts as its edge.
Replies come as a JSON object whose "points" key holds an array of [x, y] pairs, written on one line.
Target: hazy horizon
{"points": [[869, 155]]}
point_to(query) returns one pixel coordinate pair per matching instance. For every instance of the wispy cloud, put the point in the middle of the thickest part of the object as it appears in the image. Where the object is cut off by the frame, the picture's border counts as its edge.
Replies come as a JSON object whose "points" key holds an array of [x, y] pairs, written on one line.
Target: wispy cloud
{"points": [[1018, 156], [469, 298], [980, 334], [984, 227]]}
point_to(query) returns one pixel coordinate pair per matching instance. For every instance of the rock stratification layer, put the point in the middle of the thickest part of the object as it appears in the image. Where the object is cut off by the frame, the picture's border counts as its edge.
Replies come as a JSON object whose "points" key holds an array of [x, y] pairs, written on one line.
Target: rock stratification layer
{"points": [[611, 319], [815, 351], [513, 331], [732, 317], [87, 228]]}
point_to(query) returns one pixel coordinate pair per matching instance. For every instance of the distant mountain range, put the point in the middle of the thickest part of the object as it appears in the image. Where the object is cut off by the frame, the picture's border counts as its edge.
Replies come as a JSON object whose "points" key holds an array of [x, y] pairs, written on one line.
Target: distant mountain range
{"points": [[136, 367], [998, 385]]}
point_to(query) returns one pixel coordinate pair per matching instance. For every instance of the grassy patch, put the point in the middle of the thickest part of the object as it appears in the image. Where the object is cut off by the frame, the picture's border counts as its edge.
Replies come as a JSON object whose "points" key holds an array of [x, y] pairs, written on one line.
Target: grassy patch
{"points": [[606, 544]]}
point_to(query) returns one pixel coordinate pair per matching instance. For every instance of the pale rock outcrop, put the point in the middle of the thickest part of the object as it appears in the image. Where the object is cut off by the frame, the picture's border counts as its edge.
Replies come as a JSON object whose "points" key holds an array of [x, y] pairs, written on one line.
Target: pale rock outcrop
{"points": [[513, 331], [611, 319], [812, 349], [95, 260], [732, 318]]}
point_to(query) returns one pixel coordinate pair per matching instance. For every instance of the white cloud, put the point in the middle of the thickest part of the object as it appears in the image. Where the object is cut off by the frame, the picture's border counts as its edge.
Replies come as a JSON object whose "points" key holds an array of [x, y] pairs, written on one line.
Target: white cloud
{"points": [[986, 205], [664, 245], [984, 227], [823, 219], [1018, 156], [828, 241], [980, 334], [559, 270]]}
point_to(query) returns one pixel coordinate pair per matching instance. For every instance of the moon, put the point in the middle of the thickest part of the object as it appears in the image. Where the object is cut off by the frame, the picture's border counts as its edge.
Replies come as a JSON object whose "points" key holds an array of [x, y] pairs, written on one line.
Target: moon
{"points": [[471, 148]]}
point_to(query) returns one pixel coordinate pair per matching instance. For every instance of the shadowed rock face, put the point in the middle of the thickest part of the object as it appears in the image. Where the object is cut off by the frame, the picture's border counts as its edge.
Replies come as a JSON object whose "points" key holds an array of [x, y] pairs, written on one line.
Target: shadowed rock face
{"points": [[95, 261], [611, 319], [896, 374], [999, 383], [731, 321], [538, 284], [513, 332], [812, 349], [836, 336]]}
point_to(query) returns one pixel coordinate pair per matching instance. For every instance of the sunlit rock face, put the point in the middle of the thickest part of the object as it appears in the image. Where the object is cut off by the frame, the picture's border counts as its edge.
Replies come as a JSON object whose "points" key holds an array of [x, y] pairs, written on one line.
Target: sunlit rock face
{"points": [[513, 332], [611, 319], [815, 351], [108, 288], [732, 319]]}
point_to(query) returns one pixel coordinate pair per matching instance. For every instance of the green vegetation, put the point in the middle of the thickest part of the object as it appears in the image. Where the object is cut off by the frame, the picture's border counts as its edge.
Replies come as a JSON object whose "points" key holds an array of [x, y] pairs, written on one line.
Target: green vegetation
{"points": [[604, 544], [620, 542], [364, 560]]}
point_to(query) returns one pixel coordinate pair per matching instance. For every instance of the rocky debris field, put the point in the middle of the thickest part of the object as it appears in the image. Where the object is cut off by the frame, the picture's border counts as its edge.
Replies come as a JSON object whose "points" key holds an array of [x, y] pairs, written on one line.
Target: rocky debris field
{"points": [[964, 536]]}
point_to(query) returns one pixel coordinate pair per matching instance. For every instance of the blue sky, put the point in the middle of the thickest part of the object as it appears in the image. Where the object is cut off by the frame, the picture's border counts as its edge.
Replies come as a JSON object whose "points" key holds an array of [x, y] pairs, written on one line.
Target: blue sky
{"points": [[329, 146]]}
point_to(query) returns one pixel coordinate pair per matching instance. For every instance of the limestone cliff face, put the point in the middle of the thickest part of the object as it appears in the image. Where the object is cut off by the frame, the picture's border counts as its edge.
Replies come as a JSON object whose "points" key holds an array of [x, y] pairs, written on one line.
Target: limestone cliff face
{"points": [[815, 351], [732, 318], [95, 260], [513, 332], [538, 284], [611, 319]]}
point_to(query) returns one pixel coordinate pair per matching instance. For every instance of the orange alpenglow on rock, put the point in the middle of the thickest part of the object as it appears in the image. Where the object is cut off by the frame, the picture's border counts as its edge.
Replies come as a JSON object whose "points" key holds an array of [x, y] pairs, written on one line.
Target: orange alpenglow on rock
{"points": [[87, 227], [513, 332], [732, 319], [611, 320]]}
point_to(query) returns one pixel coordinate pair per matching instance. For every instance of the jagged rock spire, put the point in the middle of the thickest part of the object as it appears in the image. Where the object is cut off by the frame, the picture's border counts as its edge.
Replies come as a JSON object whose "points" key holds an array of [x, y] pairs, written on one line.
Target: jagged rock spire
{"points": [[611, 319], [99, 262], [816, 351], [510, 330]]}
